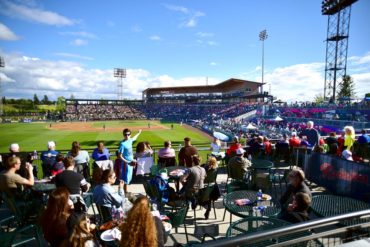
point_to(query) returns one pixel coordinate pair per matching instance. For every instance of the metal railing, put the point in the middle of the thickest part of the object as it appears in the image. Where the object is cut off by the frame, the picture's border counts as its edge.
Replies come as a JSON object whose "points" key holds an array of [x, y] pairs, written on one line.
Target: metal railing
{"points": [[322, 232]]}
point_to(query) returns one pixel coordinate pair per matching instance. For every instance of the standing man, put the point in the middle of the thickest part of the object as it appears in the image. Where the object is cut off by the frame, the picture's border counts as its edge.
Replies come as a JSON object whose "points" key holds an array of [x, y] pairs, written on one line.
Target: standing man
{"points": [[126, 154], [186, 153], [48, 159], [313, 136]]}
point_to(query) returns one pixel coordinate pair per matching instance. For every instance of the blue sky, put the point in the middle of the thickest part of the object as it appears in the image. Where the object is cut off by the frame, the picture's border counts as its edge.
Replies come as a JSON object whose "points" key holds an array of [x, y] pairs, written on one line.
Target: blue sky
{"points": [[63, 47]]}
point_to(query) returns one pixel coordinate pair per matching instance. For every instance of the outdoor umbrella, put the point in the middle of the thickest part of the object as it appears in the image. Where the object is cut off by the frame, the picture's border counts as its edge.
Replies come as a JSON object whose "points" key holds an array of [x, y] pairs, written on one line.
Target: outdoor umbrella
{"points": [[221, 136]]}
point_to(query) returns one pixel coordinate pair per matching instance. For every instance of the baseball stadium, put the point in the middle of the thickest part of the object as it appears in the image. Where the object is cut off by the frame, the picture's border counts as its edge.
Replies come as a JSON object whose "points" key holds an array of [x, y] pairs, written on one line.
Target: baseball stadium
{"points": [[218, 164]]}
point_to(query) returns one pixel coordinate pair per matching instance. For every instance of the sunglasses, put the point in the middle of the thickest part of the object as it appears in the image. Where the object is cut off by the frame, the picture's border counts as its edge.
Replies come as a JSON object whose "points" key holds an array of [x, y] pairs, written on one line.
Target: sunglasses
{"points": [[127, 134]]}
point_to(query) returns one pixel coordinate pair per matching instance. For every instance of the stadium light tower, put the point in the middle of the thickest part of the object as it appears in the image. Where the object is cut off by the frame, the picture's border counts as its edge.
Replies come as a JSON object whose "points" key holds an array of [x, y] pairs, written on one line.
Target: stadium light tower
{"points": [[263, 36], [120, 74], [2, 65], [339, 15]]}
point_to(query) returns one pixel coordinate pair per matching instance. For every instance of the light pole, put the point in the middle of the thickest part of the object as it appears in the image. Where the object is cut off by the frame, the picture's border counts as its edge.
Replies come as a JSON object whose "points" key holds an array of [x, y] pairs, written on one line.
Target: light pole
{"points": [[119, 73], [263, 36], [2, 65]]}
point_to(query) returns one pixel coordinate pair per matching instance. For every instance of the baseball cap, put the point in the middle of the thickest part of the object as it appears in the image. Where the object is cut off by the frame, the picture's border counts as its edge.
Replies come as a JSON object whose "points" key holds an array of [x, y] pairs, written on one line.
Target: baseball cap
{"points": [[240, 151]]}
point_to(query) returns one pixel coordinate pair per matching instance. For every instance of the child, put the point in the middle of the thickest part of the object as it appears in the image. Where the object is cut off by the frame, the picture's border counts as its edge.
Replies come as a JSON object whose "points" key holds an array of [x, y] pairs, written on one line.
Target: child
{"points": [[58, 166]]}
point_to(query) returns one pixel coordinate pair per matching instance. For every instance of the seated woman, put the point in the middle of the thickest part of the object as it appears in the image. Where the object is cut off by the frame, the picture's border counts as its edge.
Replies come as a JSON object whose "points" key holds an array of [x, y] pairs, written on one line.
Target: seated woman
{"points": [[297, 210], [141, 228], [81, 158], [104, 194], [81, 232], [296, 178], [54, 219]]}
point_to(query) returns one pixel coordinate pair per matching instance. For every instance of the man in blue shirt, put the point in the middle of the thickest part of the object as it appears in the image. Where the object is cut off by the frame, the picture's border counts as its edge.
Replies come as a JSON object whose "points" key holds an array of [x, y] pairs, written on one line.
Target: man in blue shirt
{"points": [[126, 154], [48, 159], [363, 138]]}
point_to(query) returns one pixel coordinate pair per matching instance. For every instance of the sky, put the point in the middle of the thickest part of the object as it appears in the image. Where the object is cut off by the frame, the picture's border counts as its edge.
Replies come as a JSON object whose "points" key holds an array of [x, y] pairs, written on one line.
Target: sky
{"points": [[70, 47]]}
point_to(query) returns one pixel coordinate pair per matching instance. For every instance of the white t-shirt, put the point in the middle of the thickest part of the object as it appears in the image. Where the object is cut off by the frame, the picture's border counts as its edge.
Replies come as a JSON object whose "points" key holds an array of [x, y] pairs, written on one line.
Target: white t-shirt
{"points": [[215, 147]]}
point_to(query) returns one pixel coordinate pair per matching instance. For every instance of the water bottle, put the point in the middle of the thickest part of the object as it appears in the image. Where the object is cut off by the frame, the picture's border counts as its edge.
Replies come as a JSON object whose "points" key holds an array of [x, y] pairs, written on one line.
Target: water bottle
{"points": [[259, 195], [114, 213], [35, 155], [154, 206], [250, 157]]}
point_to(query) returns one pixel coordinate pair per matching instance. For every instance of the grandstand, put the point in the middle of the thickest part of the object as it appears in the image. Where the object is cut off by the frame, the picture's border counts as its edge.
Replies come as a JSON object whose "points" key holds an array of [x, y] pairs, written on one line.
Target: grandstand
{"points": [[232, 98], [229, 91]]}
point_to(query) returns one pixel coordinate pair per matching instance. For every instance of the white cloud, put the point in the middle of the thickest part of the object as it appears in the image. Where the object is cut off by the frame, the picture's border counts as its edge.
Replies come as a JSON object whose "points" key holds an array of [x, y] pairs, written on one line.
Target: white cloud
{"points": [[155, 38], [176, 8], [81, 34], [34, 14], [24, 76], [79, 42], [71, 55], [205, 34], [213, 64], [6, 33], [190, 18]]}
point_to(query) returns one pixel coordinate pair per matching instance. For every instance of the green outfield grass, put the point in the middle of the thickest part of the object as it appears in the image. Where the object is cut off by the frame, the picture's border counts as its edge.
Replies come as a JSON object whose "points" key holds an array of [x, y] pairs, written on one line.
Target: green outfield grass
{"points": [[34, 136]]}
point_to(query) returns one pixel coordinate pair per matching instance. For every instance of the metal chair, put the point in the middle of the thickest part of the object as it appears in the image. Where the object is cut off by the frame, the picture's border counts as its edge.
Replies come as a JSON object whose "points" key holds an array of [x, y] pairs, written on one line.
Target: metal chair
{"points": [[104, 213], [204, 197], [178, 218]]}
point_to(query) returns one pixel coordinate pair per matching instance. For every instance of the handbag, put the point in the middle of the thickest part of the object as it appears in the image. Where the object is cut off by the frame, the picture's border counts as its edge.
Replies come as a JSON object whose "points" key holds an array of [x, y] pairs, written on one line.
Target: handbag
{"points": [[216, 193]]}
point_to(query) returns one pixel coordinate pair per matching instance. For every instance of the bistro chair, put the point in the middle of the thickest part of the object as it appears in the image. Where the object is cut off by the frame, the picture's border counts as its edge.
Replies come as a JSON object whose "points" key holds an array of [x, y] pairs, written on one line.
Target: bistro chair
{"points": [[177, 219]]}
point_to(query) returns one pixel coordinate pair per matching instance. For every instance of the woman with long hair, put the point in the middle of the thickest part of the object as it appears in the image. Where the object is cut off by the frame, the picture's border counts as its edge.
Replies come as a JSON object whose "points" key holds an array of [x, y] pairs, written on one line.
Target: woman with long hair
{"points": [[349, 137], [54, 218], [141, 228], [80, 232]]}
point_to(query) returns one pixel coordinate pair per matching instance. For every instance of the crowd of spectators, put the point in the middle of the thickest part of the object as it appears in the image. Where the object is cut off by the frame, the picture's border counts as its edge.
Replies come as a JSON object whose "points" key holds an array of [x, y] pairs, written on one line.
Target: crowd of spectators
{"points": [[86, 112]]}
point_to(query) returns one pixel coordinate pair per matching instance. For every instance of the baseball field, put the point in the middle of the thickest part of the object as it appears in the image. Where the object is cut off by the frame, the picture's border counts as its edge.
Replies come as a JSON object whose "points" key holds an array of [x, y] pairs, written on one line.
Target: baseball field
{"points": [[34, 136]]}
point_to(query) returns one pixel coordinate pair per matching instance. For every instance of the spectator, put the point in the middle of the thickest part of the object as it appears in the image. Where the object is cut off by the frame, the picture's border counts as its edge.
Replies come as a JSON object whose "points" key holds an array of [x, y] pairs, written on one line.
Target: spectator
{"points": [[186, 153], [363, 138], [239, 165], [142, 151], [127, 157], [193, 181], [332, 143], [349, 137], [297, 210], [54, 219], [81, 158], [268, 146], [58, 166], [141, 228], [312, 134], [210, 168], [101, 152], [167, 151], [10, 181], [14, 151], [81, 231], [48, 158], [104, 194], [73, 181], [294, 140], [296, 178], [215, 145], [233, 147]]}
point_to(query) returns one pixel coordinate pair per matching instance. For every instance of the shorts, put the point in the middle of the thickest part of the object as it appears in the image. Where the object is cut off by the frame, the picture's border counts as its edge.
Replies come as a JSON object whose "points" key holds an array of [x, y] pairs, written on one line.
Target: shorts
{"points": [[127, 171]]}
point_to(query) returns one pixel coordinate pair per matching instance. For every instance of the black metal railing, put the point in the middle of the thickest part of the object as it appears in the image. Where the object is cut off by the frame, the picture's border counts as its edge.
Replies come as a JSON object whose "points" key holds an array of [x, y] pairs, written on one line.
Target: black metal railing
{"points": [[322, 232]]}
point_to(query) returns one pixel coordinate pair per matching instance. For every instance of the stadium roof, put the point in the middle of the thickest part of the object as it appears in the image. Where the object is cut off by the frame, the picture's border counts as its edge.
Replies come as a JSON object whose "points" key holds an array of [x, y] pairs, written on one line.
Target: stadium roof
{"points": [[223, 86]]}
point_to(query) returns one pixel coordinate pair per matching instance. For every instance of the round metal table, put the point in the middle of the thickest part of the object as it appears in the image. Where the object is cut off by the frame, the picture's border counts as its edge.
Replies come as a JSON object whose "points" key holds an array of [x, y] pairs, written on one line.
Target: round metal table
{"points": [[244, 210]]}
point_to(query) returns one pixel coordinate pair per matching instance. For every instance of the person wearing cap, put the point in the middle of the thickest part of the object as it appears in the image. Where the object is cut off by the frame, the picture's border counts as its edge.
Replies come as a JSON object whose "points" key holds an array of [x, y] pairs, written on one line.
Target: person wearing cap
{"points": [[239, 165], [126, 155], [186, 153], [10, 180], [48, 158]]}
